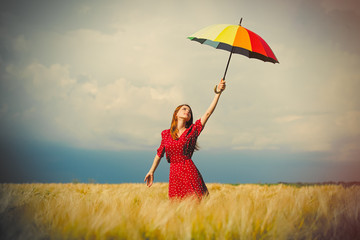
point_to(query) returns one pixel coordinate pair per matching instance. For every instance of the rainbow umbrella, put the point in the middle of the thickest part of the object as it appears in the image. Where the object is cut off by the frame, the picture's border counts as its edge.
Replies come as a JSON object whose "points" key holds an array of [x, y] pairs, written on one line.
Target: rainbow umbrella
{"points": [[235, 39]]}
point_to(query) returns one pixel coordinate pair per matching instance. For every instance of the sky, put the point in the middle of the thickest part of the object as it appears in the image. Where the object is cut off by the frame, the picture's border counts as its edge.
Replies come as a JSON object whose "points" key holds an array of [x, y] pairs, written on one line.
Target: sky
{"points": [[87, 87]]}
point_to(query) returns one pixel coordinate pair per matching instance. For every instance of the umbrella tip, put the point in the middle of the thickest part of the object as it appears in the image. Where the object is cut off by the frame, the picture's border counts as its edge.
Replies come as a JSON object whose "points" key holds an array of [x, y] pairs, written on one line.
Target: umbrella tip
{"points": [[240, 22]]}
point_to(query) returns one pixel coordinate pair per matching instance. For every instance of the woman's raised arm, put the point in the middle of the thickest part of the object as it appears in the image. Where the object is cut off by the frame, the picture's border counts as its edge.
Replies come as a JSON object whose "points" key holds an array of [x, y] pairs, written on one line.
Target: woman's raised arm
{"points": [[210, 110]]}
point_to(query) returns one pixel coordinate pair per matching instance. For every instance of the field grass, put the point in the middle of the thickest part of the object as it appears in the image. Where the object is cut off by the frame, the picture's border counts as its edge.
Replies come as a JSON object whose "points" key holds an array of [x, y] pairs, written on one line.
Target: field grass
{"points": [[133, 211]]}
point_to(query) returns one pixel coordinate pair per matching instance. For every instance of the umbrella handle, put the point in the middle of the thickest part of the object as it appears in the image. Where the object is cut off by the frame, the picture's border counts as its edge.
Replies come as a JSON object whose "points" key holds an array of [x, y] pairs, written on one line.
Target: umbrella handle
{"points": [[216, 91]]}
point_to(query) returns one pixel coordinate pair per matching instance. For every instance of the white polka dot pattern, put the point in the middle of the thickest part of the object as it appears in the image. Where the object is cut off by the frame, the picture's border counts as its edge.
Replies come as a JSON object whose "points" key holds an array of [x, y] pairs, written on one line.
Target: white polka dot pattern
{"points": [[184, 179]]}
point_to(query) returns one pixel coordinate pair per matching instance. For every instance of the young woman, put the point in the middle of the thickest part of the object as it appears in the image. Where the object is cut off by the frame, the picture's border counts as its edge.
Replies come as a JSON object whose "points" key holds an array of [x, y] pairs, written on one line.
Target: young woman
{"points": [[179, 143]]}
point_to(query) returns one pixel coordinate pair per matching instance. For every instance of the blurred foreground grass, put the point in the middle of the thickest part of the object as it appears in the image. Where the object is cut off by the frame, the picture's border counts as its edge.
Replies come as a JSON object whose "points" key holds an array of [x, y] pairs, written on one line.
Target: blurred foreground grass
{"points": [[133, 211]]}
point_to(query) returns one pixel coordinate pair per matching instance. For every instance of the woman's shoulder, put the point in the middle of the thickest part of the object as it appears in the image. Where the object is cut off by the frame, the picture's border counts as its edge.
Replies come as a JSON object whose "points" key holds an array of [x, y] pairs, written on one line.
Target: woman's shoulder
{"points": [[165, 132], [198, 123]]}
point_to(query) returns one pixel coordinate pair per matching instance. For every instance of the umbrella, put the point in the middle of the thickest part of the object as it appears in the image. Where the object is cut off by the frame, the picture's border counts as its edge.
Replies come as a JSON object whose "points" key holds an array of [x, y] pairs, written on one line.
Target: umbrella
{"points": [[235, 39]]}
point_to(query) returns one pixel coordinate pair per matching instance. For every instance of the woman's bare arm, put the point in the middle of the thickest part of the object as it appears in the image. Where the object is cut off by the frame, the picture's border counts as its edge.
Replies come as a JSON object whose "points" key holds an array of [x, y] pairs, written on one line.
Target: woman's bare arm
{"points": [[210, 110], [149, 178]]}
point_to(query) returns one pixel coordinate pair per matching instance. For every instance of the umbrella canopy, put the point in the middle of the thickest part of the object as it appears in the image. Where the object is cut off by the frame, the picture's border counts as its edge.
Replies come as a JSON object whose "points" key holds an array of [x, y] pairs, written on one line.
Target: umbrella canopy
{"points": [[235, 39]]}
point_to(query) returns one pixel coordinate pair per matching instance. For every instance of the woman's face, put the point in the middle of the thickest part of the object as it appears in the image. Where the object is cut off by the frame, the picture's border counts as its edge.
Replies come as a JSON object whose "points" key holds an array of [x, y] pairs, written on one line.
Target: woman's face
{"points": [[185, 113]]}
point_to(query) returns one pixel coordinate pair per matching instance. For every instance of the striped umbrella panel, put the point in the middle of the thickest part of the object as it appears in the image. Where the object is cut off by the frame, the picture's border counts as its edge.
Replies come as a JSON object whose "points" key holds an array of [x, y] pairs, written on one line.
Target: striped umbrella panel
{"points": [[237, 39]]}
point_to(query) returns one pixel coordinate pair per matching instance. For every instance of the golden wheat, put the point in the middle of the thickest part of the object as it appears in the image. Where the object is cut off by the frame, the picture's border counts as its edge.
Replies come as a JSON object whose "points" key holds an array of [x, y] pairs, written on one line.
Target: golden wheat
{"points": [[133, 211]]}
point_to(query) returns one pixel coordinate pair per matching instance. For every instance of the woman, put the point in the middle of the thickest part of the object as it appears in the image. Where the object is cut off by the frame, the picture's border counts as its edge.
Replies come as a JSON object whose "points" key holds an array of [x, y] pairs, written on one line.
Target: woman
{"points": [[179, 143]]}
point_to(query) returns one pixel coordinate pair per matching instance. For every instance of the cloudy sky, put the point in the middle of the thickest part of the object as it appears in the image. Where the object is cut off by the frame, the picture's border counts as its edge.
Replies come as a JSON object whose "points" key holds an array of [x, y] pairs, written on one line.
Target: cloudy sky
{"points": [[87, 87]]}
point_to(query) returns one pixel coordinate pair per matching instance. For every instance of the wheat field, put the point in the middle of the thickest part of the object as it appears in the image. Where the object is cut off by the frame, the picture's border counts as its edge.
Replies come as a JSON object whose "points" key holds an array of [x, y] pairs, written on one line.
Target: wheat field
{"points": [[134, 211]]}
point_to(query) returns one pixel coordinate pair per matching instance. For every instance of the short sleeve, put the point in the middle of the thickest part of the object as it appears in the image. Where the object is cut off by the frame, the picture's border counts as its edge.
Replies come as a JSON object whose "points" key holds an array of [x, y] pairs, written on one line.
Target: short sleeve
{"points": [[198, 127], [161, 149]]}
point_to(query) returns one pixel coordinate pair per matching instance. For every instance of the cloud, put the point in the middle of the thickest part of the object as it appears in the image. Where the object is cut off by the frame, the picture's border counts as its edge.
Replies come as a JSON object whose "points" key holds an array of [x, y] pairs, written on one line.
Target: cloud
{"points": [[300, 107], [289, 118], [109, 76], [87, 114], [346, 5], [349, 122], [328, 21]]}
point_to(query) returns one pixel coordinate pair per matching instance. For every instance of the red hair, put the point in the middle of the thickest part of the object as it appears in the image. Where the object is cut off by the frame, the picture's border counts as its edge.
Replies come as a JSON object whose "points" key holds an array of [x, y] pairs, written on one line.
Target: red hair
{"points": [[173, 127]]}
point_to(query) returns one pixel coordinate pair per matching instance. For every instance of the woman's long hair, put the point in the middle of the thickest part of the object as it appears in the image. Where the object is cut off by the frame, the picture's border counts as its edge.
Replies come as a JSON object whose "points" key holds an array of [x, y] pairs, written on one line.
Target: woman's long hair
{"points": [[173, 127]]}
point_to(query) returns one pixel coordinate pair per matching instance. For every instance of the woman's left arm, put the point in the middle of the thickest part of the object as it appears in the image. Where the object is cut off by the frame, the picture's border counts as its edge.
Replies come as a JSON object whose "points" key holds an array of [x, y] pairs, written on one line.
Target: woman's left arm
{"points": [[210, 110]]}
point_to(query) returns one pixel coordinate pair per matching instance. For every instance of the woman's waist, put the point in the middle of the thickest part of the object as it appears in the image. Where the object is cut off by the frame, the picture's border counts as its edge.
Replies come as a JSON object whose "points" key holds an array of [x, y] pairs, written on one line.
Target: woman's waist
{"points": [[180, 161]]}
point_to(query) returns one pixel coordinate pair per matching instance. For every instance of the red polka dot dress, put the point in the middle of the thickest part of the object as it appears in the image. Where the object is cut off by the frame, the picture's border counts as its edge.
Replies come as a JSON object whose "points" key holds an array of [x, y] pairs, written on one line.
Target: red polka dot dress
{"points": [[184, 179]]}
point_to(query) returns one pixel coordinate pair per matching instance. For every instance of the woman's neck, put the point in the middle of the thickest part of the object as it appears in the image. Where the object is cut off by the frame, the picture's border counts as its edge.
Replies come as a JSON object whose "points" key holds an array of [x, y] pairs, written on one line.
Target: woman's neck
{"points": [[181, 125]]}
